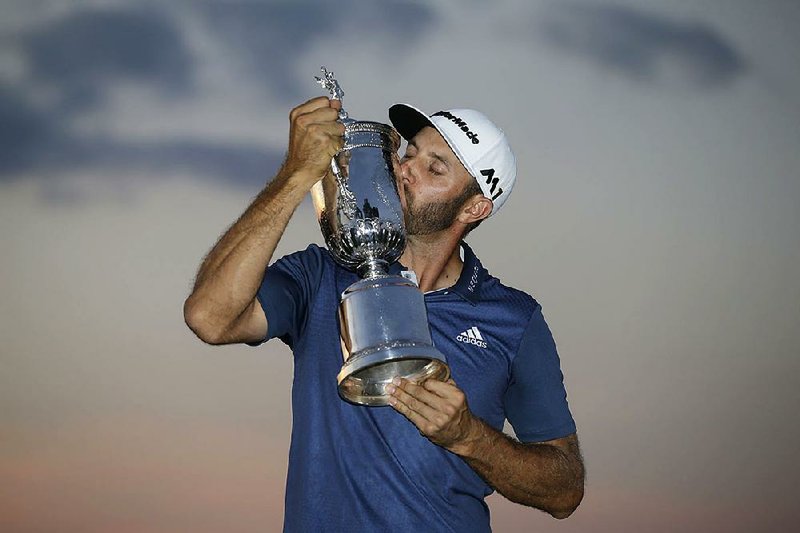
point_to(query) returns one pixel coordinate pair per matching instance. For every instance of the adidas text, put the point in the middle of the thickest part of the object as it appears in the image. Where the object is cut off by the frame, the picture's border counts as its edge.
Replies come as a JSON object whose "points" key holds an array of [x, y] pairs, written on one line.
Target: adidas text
{"points": [[472, 336]]}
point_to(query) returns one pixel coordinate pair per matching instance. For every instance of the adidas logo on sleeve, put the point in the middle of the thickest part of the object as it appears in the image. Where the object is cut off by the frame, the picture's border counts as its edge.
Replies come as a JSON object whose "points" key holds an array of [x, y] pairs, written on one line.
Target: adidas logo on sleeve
{"points": [[472, 336]]}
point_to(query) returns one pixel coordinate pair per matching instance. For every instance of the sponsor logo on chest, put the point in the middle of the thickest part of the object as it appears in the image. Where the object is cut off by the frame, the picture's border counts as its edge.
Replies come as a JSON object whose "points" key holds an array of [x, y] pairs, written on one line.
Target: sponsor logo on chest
{"points": [[472, 336]]}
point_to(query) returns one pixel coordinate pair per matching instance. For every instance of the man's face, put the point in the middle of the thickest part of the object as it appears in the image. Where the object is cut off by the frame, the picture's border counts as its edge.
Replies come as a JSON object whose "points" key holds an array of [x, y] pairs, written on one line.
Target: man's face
{"points": [[433, 183]]}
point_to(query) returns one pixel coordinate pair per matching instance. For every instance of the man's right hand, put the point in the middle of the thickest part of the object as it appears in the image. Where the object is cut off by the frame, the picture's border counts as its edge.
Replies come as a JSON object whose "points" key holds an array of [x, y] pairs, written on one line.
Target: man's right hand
{"points": [[315, 136]]}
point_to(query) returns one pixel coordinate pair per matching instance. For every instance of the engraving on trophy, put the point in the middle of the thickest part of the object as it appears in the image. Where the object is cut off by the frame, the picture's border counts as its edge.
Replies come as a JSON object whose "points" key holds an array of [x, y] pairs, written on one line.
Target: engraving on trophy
{"points": [[384, 325]]}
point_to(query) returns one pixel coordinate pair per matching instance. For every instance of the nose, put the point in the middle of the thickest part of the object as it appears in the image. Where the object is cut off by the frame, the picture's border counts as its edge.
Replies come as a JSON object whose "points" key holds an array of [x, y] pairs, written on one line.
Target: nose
{"points": [[407, 171]]}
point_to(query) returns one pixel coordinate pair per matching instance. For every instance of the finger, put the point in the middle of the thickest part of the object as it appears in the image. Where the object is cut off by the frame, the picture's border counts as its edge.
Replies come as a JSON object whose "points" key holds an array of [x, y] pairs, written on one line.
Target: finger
{"points": [[413, 416], [310, 105], [444, 389], [320, 115], [334, 129], [335, 135], [422, 394], [414, 404]]}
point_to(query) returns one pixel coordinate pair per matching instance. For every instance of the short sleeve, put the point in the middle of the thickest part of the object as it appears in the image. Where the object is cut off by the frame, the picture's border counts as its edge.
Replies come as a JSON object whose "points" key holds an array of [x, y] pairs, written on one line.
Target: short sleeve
{"points": [[288, 286], [536, 400]]}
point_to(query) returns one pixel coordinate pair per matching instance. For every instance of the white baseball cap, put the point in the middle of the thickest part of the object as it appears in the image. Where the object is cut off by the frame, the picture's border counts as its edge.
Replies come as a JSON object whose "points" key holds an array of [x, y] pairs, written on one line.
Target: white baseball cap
{"points": [[480, 145]]}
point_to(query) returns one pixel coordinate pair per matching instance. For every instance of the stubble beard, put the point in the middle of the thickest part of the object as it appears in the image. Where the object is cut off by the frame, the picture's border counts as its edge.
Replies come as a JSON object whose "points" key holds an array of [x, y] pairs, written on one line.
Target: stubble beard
{"points": [[433, 217]]}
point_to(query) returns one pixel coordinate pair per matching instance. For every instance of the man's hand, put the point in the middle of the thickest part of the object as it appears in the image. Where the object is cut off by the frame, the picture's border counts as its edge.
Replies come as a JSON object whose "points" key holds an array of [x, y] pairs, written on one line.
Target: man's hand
{"points": [[547, 475], [315, 136], [439, 410]]}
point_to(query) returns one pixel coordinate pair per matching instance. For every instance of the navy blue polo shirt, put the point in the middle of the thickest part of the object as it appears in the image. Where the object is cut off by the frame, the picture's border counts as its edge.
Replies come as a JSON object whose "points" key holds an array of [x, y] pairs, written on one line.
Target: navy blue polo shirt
{"points": [[355, 468]]}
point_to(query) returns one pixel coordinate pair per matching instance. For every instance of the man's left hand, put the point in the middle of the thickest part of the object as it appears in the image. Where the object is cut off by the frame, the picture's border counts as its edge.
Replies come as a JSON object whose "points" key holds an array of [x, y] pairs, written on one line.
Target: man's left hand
{"points": [[439, 410]]}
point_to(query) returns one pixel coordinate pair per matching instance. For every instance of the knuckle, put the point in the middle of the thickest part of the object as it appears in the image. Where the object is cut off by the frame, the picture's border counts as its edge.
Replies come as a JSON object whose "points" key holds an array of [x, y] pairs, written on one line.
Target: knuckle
{"points": [[449, 410]]}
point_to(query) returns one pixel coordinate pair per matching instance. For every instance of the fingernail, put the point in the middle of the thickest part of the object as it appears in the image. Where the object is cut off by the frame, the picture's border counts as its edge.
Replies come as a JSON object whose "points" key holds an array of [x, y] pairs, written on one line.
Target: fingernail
{"points": [[392, 400], [390, 389], [396, 381]]}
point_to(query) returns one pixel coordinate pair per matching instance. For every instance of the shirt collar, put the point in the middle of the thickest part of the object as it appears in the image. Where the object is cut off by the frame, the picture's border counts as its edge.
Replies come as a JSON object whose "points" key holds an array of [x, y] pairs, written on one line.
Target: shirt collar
{"points": [[469, 282]]}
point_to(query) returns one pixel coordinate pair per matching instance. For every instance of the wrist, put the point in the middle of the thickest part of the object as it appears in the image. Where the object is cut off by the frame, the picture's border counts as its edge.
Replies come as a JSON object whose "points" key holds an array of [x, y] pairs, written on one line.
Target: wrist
{"points": [[470, 445], [291, 185], [300, 175]]}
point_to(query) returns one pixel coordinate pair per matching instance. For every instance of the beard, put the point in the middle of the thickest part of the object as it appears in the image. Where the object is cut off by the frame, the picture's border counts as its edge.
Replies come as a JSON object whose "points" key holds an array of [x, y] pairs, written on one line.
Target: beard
{"points": [[434, 216]]}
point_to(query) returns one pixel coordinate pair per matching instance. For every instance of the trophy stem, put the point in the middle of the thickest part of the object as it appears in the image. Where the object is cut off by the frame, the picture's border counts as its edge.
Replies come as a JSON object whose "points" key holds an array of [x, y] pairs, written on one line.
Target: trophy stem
{"points": [[373, 268]]}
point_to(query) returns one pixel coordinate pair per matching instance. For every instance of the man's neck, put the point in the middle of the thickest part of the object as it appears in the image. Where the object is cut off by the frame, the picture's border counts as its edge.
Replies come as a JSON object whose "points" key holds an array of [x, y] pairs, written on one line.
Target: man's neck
{"points": [[435, 259]]}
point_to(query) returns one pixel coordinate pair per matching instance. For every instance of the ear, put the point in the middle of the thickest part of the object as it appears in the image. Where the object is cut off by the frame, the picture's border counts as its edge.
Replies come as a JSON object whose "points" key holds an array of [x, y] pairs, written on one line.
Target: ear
{"points": [[476, 208]]}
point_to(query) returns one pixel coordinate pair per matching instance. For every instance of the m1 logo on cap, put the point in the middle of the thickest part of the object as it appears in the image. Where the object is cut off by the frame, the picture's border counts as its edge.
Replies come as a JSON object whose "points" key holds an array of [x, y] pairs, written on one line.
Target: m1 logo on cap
{"points": [[491, 180], [460, 123]]}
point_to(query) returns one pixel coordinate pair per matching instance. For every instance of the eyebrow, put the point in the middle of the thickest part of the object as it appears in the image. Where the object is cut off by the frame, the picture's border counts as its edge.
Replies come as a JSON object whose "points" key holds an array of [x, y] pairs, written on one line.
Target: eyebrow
{"points": [[442, 159]]}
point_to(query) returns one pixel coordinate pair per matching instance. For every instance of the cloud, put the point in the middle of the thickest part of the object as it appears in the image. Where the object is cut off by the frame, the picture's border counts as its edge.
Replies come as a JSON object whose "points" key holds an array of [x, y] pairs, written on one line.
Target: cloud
{"points": [[235, 163], [86, 49], [271, 37], [75, 59], [24, 131], [29, 139], [643, 46]]}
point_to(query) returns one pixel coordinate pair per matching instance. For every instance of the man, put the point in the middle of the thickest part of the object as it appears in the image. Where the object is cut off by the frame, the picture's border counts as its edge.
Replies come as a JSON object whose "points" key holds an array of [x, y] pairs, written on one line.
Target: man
{"points": [[354, 468]]}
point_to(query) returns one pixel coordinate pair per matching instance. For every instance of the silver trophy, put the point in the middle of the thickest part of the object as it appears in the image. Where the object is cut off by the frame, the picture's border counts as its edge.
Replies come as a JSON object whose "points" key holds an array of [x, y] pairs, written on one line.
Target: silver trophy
{"points": [[382, 317]]}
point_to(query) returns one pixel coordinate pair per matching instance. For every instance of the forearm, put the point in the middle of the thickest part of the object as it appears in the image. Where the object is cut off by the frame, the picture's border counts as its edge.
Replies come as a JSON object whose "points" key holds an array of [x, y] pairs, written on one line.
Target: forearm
{"points": [[547, 475], [231, 273], [222, 307], [542, 475]]}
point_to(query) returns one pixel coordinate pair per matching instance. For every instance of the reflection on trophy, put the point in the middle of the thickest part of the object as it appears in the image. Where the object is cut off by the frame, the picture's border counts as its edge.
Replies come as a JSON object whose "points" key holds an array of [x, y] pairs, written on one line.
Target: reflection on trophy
{"points": [[384, 325]]}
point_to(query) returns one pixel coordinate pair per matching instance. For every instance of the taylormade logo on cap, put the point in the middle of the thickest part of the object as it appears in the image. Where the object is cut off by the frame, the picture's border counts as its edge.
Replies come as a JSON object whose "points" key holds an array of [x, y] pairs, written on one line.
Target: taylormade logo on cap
{"points": [[481, 146], [460, 123]]}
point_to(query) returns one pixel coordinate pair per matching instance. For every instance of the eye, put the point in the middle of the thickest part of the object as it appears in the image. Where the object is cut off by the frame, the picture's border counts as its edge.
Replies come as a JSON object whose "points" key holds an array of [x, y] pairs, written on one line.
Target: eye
{"points": [[437, 168]]}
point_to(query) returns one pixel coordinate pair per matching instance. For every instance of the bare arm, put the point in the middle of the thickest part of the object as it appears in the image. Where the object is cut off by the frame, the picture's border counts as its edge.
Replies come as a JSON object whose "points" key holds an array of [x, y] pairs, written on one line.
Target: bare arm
{"points": [[547, 475], [222, 307]]}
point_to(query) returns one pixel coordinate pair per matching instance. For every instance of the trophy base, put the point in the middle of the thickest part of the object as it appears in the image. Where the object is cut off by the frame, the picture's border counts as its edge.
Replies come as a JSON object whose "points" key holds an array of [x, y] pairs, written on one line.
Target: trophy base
{"points": [[363, 380], [385, 334]]}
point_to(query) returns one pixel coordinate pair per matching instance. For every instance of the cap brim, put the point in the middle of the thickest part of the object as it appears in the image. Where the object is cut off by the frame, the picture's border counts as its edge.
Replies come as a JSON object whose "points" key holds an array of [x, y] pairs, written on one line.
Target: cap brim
{"points": [[408, 120]]}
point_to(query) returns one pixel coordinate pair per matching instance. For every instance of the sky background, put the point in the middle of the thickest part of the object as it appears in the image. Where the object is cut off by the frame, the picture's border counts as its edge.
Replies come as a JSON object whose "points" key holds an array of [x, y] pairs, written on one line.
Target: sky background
{"points": [[655, 218]]}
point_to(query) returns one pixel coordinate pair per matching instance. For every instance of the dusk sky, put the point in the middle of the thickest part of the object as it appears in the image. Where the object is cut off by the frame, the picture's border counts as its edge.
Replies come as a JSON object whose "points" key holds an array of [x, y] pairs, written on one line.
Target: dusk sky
{"points": [[655, 218]]}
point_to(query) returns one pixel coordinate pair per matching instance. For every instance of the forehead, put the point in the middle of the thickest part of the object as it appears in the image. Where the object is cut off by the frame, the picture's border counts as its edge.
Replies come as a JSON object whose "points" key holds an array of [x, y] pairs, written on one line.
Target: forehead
{"points": [[430, 139], [430, 142]]}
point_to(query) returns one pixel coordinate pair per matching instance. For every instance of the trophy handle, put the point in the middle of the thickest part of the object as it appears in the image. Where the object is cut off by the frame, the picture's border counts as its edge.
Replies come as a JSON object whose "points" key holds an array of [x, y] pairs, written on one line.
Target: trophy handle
{"points": [[340, 167]]}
